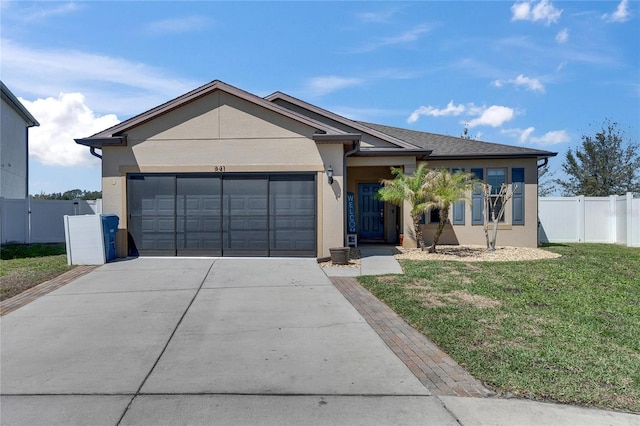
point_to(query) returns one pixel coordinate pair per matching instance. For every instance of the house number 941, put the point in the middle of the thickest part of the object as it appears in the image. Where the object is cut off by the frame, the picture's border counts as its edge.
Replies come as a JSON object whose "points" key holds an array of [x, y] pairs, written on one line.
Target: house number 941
{"points": [[218, 168]]}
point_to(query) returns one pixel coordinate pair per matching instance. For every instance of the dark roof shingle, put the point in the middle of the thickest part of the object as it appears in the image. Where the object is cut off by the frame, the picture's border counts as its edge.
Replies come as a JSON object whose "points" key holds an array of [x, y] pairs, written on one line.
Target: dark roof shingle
{"points": [[444, 147]]}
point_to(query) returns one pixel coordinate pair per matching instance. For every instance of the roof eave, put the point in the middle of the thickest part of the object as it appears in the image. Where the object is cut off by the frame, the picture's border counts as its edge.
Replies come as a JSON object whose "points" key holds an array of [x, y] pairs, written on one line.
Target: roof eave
{"points": [[11, 99], [494, 156], [343, 138], [420, 154], [101, 142]]}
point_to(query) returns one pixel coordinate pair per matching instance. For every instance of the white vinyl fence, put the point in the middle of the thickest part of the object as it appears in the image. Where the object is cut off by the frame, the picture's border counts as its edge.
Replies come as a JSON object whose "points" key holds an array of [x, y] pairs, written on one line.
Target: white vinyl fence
{"points": [[32, 220], [613, 219]]}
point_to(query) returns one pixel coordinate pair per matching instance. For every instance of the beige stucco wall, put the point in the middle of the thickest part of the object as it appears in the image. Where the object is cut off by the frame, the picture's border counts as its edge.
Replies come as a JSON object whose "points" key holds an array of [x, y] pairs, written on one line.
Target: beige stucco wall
{"points": [[508, 235], [223, 132]]}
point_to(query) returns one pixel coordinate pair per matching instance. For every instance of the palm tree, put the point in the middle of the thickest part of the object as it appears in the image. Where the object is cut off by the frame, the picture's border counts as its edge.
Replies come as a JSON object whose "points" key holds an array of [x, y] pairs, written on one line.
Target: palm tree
{"points": [[409, 188], [442, 189]]}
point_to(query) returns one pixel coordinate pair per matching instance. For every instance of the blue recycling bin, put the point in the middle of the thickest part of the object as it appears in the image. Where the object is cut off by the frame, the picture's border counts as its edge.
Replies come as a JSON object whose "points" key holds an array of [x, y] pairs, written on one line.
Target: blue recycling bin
{"points": [[109, 230]]}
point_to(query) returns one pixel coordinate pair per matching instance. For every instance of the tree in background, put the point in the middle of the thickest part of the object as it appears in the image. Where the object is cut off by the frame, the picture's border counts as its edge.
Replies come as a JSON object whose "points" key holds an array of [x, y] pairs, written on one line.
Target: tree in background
{"points": [[407, 188], [605, 164], [72, 194], [545, 184], [442, 189]]}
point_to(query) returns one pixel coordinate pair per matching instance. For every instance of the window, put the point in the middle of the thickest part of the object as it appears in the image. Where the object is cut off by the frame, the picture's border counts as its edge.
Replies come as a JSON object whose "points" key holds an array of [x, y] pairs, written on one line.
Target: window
{"points": [[495, 178], [434, 216]]}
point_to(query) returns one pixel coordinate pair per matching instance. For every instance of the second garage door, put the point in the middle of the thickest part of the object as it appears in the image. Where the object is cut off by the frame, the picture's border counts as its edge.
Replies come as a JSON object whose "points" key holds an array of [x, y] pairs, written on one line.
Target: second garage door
{"points": [[222, 214]]}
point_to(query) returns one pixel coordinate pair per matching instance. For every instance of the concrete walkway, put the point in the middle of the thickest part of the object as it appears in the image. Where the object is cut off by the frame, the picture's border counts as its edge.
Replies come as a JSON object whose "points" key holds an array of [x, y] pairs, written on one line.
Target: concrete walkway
{"points": [[374, 260], [226, 341]]}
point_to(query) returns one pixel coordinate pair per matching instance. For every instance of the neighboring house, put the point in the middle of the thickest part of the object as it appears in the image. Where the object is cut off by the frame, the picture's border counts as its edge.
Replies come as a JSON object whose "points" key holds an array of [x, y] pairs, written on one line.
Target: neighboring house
{"points": [[14, 146], [222, 172]]}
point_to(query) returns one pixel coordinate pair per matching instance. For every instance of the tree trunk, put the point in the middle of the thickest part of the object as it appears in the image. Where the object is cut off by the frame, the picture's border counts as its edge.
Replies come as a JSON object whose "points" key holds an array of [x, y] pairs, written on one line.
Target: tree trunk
{"points": [[418, 231], [444, 214]]}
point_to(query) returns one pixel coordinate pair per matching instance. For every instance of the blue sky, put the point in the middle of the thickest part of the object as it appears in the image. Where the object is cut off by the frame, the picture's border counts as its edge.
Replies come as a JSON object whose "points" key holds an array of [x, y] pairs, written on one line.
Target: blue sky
{"points": [[532, 73]]}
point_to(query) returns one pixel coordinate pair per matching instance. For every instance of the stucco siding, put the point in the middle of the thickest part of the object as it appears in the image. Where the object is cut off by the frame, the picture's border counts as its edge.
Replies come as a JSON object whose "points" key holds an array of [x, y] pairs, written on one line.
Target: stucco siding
{"points": [[222, 133], [13, 154], [509, 234]]}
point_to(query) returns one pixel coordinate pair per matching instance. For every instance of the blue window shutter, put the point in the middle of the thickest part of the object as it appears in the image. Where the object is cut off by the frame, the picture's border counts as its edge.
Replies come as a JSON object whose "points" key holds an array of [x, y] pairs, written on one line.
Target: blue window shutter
{"points": [[477, 218], [458, 207], [517, 180]]}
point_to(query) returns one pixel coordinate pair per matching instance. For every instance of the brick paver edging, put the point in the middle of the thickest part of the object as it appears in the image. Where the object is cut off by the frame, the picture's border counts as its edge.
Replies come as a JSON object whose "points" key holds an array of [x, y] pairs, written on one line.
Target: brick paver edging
{"points": [[436, 370], [28, 296]]}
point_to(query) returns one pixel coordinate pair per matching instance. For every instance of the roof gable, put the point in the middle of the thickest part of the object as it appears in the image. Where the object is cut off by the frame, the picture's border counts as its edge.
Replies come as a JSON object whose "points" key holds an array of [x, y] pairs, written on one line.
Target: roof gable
{"points": [[121, 128], [335, 120]]}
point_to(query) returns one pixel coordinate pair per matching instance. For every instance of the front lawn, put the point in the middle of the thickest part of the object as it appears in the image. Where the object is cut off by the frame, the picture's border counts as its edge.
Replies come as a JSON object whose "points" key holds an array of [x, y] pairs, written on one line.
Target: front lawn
{"points": [[565, 329], [23, 266]]}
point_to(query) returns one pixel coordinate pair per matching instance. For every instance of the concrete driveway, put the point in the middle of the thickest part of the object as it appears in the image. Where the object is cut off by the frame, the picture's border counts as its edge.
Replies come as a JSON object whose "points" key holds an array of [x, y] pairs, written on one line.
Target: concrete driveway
{"points": [[203, 341]]}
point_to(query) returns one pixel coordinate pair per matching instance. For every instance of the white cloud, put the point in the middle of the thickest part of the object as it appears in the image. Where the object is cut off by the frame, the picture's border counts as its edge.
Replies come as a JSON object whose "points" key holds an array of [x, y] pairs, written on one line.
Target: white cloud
{"points": [[125, 87], [62, 120], [42, 11], [449, 110], [621, 13], [532, 11], [332, 83], [563, 36], [494, 116], [532, 84], [178, 25], [553, 137], [521, 135], [375, 17], [405, 37]]}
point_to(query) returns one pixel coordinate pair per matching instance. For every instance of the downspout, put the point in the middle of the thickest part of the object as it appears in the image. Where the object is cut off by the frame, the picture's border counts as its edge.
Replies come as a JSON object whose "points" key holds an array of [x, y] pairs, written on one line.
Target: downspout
{"points": [[545, 161], [92, 150], [353, 150]]}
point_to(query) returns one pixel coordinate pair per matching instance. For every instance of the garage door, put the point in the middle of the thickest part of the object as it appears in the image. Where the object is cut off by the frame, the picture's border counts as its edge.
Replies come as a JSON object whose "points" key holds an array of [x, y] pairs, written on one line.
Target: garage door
{"points": [[222, 215]]}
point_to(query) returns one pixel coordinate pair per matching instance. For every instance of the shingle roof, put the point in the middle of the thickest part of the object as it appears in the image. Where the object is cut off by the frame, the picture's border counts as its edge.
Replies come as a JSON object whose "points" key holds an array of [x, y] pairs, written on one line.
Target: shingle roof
{"points": [[444, 147]]}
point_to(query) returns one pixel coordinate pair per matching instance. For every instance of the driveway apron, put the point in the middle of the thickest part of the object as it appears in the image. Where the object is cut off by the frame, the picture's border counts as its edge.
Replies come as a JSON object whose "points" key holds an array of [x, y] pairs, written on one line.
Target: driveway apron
{"points": [[203, 341]]}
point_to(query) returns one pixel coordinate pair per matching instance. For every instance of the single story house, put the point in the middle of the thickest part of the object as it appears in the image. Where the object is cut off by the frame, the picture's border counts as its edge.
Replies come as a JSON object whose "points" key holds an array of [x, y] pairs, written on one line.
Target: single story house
{"points": [[222, 172]]}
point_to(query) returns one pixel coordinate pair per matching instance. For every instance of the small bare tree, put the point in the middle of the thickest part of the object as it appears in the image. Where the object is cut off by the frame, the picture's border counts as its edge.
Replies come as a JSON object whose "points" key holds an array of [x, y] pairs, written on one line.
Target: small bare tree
{"points": [[494, 205]]}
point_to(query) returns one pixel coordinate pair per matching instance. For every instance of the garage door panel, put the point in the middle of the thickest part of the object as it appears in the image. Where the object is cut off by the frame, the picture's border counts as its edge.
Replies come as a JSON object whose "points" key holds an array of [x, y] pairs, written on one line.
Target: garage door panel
{"points": [[246, 215]]}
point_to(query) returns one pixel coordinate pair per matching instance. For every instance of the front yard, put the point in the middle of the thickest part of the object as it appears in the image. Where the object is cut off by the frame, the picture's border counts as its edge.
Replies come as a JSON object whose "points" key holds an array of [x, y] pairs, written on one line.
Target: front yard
{"points": [[564, 329], [24, 266]]}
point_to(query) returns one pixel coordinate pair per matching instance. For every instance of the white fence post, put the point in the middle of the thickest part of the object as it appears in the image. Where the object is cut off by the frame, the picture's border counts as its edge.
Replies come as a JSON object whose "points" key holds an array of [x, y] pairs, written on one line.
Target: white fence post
{"points": [[633, 219], [581, 217]]}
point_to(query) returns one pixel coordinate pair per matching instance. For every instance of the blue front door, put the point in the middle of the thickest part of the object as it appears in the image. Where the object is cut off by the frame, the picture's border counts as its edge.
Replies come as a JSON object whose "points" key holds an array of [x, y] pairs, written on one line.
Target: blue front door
{"points": [[371, 212]]}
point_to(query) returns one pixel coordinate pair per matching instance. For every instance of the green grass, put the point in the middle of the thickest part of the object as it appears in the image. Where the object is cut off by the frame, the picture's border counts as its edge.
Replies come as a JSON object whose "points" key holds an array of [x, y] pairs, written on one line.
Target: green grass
{"points": [[24, 266], [565, 329]]}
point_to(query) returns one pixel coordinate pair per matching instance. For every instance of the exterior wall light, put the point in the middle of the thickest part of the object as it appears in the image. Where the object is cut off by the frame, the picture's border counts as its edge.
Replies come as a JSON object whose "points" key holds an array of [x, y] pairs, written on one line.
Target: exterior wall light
{"points": [[330, 175]]}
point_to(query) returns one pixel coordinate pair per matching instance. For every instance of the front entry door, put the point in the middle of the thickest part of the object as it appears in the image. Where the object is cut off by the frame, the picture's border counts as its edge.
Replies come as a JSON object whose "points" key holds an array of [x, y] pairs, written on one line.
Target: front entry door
{"points": [[371, 212]]}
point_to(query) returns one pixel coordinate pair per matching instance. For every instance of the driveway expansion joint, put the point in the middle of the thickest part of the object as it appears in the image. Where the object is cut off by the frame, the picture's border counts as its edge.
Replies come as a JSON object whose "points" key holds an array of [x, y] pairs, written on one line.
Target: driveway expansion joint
{"points": [[204, 279]]}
